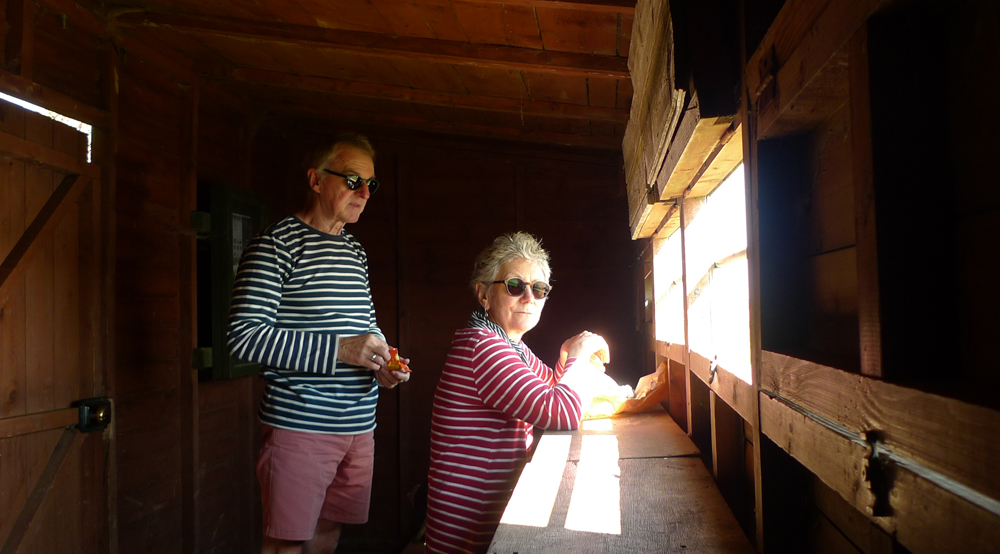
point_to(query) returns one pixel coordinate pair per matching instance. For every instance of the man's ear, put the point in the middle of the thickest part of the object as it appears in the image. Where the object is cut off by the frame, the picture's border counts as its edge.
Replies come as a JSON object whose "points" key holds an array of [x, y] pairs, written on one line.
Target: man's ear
{"points": [[313, 179], [482, 294]]}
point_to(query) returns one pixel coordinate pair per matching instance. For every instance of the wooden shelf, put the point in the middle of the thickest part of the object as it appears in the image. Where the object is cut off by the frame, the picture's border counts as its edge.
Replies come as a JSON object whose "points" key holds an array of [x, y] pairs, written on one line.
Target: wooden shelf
{"points": [[666, 500]]}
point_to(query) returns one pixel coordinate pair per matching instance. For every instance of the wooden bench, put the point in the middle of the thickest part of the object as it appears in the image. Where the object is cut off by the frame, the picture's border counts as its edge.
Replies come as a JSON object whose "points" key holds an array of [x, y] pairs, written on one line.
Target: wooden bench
{"points": [[632, 483]]}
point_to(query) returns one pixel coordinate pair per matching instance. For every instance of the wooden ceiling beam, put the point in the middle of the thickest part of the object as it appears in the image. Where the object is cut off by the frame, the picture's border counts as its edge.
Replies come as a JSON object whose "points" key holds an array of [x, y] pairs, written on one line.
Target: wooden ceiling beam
{"points": [[373, 44], [466, 129], [417, 96], [613, 6]]}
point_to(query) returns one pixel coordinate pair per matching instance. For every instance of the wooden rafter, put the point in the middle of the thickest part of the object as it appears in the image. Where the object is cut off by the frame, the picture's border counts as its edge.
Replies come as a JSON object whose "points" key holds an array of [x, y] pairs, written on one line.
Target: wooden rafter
{"points": [[614, 6], [428, 97], [466, 129], [374, 44]]}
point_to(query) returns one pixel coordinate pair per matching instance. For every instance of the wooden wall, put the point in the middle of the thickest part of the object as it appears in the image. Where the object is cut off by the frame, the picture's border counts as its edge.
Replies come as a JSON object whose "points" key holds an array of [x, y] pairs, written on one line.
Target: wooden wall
{"points": [[443, 201]]}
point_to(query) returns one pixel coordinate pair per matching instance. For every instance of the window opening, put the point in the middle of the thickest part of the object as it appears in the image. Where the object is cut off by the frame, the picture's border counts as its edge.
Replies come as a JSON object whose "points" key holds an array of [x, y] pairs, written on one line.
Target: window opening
{"points": [[84, 128]]}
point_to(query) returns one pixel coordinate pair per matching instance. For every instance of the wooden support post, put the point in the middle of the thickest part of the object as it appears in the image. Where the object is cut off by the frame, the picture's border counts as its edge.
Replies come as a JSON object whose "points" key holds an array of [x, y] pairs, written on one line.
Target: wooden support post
{"points": [[869, 319], [713, 399], [188, 335], [748, 113], [687, 341], [105, 155], [20, 42]]}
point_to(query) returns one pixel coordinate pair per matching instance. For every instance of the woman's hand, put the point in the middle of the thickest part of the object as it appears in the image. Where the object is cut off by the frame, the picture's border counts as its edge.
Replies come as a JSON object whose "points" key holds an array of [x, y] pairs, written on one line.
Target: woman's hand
{"points": [[364, 351], [586, 344]]}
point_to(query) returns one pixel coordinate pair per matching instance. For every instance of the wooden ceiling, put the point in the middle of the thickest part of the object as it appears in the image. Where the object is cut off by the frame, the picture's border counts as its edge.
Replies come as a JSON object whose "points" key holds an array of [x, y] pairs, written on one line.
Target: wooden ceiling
{"points": [[548, 71]]}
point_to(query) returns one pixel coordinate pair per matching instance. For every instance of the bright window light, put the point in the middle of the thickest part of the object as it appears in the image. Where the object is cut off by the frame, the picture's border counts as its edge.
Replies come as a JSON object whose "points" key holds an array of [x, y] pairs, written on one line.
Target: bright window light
{"points": [[78, 125]]}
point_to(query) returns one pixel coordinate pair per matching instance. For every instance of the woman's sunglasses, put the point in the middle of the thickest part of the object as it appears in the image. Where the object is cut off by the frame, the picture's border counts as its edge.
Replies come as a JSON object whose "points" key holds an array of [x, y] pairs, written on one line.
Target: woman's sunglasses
{"points": [[354, 182], [516, 286]]}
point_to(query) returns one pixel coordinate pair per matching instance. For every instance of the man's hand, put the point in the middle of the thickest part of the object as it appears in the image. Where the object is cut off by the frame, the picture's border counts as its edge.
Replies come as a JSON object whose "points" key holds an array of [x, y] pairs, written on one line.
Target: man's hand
{"points": [[390, 379], [364, 351], [371, 352]]}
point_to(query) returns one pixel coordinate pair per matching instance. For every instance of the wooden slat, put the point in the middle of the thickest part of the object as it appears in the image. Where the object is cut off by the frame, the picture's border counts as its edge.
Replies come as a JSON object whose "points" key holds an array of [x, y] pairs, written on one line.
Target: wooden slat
{"points": [[869, 318], [19, 53], [58, 205], [947, 436], [428, 97], [19, 87], [187, 336], [427, 124], [372, 44], [734, 391], [799, 72], [614, 6], [70, 440], [925, 517], [21, 149], [693, 151], [650, 434], [748, 114], [35, 423]]}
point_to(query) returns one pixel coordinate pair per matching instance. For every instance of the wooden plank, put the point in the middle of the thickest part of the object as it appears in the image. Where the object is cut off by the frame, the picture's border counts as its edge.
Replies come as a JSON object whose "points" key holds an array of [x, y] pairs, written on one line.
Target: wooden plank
{"points": [[372, 44], [19, 52], [35, 423], [687, 341], [690, 157], [188, 329], [908, 422], [20, 87], [667, 505], [735, 392], [799, 71], [613, 6], [838, 461], [925, 517], [12, 301], [355, 118], [869, 319], [59, 204], [68, 442], [748, 114], [678, 395], [428, 97], [66, 296], [14, 147], [649, 434]]}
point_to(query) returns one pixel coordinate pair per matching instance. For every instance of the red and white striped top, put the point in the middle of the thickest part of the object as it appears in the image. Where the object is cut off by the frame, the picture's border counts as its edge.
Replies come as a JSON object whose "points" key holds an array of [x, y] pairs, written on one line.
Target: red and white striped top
{"points": [[481, 428]]}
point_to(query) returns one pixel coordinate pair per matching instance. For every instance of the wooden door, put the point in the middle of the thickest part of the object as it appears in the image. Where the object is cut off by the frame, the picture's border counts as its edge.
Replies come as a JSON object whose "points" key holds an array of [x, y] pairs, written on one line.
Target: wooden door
{"points": [[52, 477]]}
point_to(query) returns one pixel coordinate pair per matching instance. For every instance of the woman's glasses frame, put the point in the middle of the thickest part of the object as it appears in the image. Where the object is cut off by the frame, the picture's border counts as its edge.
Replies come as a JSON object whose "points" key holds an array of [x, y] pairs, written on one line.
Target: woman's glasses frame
{"points": [[354, 182], [515, 287]]}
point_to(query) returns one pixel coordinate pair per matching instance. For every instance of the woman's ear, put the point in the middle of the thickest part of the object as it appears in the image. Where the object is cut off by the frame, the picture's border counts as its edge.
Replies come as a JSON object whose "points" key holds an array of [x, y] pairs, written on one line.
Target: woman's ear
{"points": [[482, 294]]}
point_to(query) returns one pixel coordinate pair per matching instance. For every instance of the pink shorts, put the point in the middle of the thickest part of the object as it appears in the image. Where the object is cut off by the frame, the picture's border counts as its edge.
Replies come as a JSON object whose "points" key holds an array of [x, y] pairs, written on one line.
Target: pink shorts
{"points": [[307, 476]]}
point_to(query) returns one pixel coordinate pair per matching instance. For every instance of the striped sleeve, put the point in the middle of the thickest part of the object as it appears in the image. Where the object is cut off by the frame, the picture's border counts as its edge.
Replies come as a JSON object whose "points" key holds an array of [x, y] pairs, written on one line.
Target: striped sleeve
{"points": [[519, 391], [253, 333], [373, 327]]}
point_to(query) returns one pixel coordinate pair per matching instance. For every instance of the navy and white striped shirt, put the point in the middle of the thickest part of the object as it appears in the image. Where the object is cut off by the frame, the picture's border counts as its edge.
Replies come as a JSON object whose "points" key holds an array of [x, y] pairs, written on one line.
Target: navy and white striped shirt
{"points": [[297, 290]]}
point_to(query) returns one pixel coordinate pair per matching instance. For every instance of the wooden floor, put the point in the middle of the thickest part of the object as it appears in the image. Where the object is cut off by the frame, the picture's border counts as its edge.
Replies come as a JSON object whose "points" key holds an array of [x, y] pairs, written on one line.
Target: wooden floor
{"points": [[628, 484]]}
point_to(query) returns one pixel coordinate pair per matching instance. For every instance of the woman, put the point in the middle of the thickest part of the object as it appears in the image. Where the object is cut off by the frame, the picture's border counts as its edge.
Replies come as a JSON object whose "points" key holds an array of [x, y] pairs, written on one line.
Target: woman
{"points": [[493, 391]]}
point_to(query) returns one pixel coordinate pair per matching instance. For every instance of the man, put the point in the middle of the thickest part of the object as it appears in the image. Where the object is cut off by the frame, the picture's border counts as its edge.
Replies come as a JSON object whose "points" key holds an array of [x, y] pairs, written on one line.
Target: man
{"points": [[302, 308]]}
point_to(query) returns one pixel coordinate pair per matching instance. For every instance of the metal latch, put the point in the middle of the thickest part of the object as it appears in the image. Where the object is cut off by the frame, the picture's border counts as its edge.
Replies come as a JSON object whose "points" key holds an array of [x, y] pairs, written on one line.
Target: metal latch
{"points": [[95, 414]]}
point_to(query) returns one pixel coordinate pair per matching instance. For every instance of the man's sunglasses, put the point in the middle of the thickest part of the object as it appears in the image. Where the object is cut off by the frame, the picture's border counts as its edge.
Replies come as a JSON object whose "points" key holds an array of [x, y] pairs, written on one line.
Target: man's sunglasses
{"points": [[354, 182], [516, 286]]}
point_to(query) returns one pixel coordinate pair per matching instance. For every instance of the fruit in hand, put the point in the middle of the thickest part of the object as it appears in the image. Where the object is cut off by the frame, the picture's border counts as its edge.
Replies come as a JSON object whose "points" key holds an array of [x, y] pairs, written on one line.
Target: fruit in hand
{"points": [[394, 363]]}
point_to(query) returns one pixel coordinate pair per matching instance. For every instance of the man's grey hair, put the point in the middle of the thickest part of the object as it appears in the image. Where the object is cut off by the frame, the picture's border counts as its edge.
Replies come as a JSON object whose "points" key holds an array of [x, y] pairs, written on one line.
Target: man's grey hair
{"points": [[507, 248], [341, 141]]}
